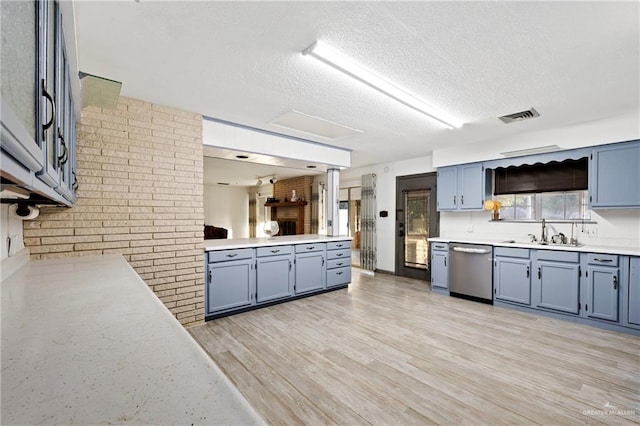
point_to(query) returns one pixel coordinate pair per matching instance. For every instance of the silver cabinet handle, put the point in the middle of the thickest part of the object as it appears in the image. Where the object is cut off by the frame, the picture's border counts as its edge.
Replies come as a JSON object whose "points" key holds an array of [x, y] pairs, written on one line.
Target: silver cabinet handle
{"points": [[471, 250]]}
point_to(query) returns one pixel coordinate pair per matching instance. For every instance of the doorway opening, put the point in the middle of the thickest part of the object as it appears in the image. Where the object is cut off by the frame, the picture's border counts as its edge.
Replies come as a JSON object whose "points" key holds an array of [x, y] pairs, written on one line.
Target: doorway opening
{"points": [[416, 221]]}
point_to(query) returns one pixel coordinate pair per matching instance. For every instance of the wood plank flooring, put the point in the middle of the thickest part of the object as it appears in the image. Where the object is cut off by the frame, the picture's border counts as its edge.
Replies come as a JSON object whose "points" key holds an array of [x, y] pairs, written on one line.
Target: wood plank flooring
{"points": [[388, 351]]}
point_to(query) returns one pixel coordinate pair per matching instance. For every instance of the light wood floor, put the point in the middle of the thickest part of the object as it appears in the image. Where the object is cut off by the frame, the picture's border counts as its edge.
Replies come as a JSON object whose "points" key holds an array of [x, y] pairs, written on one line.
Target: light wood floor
{"points": [[388, 351]]}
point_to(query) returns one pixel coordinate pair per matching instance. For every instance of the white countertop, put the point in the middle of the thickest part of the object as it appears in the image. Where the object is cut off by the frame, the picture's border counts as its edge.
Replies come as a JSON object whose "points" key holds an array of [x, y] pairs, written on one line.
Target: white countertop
{"points": [[85, 341], [629, 251], [284, 240]]}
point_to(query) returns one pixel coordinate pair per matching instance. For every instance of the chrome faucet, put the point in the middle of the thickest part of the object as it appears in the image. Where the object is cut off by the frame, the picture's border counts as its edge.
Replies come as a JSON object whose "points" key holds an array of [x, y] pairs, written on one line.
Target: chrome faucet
{"points": [[543, 238]]}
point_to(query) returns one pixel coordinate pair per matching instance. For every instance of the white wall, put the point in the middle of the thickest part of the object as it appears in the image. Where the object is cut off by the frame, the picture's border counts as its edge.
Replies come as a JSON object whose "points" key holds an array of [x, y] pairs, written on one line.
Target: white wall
{"points": [[615, 129], [616, 228], [227, 207], [10, 225], [386, 200]]}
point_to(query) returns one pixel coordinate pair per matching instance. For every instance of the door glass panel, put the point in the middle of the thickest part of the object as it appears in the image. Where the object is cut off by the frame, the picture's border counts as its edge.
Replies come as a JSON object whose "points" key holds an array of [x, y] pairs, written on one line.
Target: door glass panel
{"points": [[416, 248]]}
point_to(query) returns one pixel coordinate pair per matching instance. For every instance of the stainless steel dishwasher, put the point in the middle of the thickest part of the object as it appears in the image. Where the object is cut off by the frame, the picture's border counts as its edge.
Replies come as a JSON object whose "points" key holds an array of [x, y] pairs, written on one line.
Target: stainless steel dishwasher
{"points": [[471, 272]]}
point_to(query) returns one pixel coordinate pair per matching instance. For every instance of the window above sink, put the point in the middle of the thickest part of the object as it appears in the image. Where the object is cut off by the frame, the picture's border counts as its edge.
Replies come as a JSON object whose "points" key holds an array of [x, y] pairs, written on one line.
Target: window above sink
{"points": [[556, 206]]}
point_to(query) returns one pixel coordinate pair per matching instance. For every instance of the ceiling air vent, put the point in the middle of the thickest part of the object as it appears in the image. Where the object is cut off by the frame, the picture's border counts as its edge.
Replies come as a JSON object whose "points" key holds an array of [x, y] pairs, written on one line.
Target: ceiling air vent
{"points": [[519, 116]]}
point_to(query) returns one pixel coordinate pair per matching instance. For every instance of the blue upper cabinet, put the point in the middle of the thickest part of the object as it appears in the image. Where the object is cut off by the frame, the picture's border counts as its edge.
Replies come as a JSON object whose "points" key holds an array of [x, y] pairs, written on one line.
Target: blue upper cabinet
{"points": [[461, 187], [447, 189], [614, 176], [38, 120]]}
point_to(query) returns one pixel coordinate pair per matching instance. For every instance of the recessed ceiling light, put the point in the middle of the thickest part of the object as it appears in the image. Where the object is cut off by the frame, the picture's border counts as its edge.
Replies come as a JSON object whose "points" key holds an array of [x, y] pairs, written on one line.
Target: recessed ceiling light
{"points": [[242, 157]]}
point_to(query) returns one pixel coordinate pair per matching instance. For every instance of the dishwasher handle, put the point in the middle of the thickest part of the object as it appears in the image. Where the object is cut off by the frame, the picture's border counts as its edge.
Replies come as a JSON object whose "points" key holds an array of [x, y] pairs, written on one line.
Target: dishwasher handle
{"points": [[471, 250]]}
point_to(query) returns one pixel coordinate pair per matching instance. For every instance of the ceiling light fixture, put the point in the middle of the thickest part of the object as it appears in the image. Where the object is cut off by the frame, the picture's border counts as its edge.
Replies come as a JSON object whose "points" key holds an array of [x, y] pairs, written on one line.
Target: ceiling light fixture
{"points": [[531, 151], [329, 56]]}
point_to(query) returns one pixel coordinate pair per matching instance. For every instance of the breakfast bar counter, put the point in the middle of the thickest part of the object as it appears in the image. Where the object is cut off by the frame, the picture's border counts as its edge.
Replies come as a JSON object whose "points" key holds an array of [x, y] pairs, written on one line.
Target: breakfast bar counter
{"points": [[85, 341]]}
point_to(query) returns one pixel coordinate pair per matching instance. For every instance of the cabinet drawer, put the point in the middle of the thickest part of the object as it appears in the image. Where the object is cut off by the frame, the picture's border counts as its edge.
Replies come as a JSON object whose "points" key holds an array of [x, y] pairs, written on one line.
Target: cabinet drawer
{"points": [[306, 248], [559, 256], [511, 252], [603, 259], [274, 251], [440, 246], [338, 263], [337, 245], [338, 254], [225, 255], [338, 276]]}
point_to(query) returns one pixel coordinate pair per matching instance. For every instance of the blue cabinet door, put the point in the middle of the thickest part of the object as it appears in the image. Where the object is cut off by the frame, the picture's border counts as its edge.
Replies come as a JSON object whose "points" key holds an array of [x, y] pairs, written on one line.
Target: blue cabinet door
{"points": [[310, 272], [471, 187], [634, 291], [229, 285], [602, 293], [439, 269], [614, 176], [513, 280], [558, 286], [274, 277], [447, 188]]}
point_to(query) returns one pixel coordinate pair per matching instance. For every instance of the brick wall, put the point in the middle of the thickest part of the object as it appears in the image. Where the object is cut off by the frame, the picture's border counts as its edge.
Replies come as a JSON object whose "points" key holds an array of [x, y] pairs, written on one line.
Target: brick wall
{"points": [[140, 194], [302, 186]]}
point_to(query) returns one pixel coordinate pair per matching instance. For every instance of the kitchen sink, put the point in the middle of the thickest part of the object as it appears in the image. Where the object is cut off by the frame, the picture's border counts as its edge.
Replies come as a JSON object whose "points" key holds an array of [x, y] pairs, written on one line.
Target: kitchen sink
{"points": [[538, 243]]}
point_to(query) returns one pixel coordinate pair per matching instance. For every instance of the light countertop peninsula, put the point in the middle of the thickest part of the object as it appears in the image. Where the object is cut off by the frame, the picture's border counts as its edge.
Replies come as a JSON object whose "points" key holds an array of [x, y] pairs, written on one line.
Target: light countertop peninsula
{"points": [[235, 243], [85, 341]]}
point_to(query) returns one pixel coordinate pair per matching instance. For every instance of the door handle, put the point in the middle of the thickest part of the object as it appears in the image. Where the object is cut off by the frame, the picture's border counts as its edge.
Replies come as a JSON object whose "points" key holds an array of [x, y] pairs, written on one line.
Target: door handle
{"points": [[539, 273], [454, 200], [462, 200], [615, 282], [528, 272], [210, 277], [310, 247], [275, 251]]}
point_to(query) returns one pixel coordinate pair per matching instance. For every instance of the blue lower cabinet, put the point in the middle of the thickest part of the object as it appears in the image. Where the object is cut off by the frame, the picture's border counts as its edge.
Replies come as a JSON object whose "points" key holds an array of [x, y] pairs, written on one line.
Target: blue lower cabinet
{"points": [[512, 280], [310, 272], [338, 264], [274, 277], [602, 292], [230, 285], [558, 286], [439, 265], [248, 278], [338, 276]]}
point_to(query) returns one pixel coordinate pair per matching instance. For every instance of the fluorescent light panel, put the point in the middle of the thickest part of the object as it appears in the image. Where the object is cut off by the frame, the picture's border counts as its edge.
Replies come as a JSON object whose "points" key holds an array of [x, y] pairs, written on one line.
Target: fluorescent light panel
{"points": [[530, 151], [329, 56]]}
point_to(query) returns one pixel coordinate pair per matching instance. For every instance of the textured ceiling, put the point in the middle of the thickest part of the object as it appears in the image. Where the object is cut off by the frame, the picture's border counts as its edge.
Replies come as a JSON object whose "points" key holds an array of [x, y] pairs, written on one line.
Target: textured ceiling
{"points": [[241, 62]]}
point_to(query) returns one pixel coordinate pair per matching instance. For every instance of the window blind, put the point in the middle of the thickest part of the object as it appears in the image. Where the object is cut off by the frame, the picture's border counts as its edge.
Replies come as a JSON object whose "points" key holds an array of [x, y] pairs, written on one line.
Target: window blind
{"points": [[568, 175]]}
